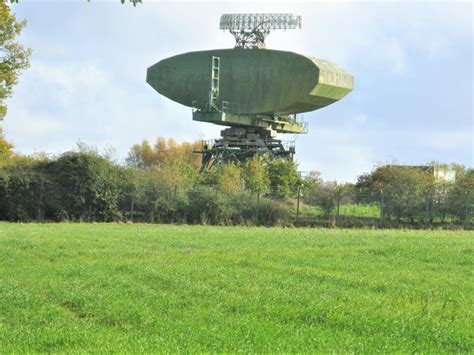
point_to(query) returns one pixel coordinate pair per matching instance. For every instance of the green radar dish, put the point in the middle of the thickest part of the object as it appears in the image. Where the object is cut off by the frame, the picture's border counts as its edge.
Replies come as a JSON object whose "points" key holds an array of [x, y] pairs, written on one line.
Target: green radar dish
{"points": [[255, 91]]}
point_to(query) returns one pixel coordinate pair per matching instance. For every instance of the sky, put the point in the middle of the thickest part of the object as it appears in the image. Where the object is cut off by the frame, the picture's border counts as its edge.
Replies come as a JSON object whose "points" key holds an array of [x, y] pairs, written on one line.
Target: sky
{"points": [[411, 61]]}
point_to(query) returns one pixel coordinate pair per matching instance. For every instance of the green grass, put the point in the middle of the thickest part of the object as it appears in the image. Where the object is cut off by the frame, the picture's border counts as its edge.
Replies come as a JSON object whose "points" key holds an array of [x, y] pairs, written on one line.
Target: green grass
{"points": [[105, 287], [349, 210], [360, 210]]}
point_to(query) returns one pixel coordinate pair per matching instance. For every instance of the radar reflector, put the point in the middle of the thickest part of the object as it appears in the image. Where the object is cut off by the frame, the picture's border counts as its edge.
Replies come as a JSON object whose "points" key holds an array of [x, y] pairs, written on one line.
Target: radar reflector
{"points": [[255, 92], [250, 30]]}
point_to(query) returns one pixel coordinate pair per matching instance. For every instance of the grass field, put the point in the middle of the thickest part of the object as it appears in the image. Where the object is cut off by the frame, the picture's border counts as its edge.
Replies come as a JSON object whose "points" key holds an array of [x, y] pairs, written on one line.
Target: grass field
{"points": [[350, 210], [106, 287]]}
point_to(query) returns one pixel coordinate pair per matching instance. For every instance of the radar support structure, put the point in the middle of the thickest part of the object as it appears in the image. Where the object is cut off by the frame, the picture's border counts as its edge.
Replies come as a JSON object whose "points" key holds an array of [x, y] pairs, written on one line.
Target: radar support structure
{"points": [[239, 144], [248, 135]]}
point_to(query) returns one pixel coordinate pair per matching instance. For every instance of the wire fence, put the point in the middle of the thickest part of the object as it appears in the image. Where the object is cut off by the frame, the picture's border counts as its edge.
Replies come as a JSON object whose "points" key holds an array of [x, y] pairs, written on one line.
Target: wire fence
{"points": [[379, 208], [34, 198]]}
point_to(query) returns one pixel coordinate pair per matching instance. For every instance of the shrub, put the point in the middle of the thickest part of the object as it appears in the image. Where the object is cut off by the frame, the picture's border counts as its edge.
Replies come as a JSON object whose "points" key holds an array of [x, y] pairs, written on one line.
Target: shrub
{"points": [[207, 206], [21, 193], [86, 187]]}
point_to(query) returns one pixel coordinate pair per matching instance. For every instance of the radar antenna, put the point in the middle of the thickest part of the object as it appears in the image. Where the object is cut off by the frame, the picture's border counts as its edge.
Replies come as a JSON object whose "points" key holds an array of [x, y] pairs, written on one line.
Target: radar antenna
{"points": [[250, 30]]}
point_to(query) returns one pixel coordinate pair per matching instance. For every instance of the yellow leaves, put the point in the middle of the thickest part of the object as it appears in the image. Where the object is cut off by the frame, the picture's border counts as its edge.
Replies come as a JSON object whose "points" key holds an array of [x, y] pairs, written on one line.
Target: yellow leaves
{"points": [[229, 179], [164, 152], [5, 150]]}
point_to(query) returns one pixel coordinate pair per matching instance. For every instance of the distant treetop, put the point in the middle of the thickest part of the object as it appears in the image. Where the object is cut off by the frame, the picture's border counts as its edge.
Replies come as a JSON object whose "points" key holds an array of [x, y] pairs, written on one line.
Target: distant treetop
{"points": [[134, 2]]}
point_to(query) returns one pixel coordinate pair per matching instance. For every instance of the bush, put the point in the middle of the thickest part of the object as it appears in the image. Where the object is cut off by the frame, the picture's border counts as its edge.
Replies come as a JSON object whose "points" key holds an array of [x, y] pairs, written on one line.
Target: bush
{"points": [[207, 206], [405, 191], [316, 192], [86, 187], [273, 213], [22, 187], [284, 177]]}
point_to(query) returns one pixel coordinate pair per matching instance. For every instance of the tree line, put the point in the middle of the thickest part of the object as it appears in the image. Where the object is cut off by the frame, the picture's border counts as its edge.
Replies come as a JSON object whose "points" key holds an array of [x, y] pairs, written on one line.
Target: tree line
{"points": [[134, 2], [160, 183]]}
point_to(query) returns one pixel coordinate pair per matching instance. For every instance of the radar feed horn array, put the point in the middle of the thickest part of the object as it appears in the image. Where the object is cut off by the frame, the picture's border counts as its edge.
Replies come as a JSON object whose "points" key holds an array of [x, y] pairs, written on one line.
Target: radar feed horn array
{"points": [[254, 91], [250, 30]]}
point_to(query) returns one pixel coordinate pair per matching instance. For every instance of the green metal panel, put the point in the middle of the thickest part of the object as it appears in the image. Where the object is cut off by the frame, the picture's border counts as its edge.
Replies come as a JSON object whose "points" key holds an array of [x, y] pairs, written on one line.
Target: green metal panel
{"points": [[250, 120], [255, 81]]}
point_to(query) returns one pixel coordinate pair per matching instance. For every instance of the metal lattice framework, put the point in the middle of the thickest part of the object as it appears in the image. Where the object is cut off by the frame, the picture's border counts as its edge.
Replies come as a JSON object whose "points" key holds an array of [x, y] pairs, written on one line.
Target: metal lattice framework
{"points": [[250, 30]]}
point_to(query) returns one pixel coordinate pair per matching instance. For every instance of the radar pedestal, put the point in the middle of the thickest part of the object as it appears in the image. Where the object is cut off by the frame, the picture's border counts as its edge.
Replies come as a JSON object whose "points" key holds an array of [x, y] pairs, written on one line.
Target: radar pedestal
{"points": [[241, 143], [248, 135]]}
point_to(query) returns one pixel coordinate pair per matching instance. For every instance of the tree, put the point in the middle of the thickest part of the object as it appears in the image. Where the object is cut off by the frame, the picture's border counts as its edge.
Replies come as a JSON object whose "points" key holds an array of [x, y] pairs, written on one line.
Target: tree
{"points": [[164, 152], [5, 150], [407, 191], [284, 178], [13, 56], [228, 178], [460, 199], [316, 192], [141, 156], [256, 175], [134, 2], [86, 186]]}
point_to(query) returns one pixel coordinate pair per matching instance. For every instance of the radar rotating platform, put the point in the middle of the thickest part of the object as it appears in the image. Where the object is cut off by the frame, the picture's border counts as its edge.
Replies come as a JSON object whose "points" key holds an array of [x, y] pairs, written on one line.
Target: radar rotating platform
{"points": [[255, 91]]}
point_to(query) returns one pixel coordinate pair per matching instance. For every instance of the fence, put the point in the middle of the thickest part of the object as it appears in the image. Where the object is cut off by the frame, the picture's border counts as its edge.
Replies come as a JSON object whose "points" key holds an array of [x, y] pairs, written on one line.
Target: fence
{"points": [[389, 209], [38, 199]]}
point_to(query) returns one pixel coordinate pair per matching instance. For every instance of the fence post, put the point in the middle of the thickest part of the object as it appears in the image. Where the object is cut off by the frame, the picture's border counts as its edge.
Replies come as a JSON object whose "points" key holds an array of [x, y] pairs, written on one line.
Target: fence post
{"points": [[382, 208], [298, 204], [338, 201], [429, 207], [258, 206], [466, 209], [39, 212], [131, 208], [89, 213]]}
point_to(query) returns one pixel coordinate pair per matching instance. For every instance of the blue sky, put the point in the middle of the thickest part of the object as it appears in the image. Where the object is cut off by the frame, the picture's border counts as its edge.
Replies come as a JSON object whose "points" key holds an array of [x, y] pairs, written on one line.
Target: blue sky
{"points": [[412, 64]]}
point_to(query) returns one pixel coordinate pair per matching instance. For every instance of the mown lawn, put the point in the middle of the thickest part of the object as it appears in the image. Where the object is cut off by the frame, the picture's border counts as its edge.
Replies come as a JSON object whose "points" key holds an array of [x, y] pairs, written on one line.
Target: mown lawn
{"points": [[109, 287]]}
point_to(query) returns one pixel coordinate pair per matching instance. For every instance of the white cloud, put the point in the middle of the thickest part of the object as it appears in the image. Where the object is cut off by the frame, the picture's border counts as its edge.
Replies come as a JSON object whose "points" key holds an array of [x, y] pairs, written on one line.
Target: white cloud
{"points": [[62, 104], [448, 140], [359, 119], [338, 154], [87, 80], [395, 56]]}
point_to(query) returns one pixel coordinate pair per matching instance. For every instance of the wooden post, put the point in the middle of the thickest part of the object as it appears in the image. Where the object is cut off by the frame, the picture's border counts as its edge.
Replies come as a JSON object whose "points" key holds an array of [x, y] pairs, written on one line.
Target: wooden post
{"points": [[298, 204], [39, 212], [338, 204], [258, 206], [466, 210], [382, 208]]}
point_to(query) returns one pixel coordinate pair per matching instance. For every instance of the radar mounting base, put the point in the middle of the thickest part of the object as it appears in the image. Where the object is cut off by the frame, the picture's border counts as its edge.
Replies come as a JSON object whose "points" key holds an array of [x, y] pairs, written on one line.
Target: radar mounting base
{"points": [[238, 144]]}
